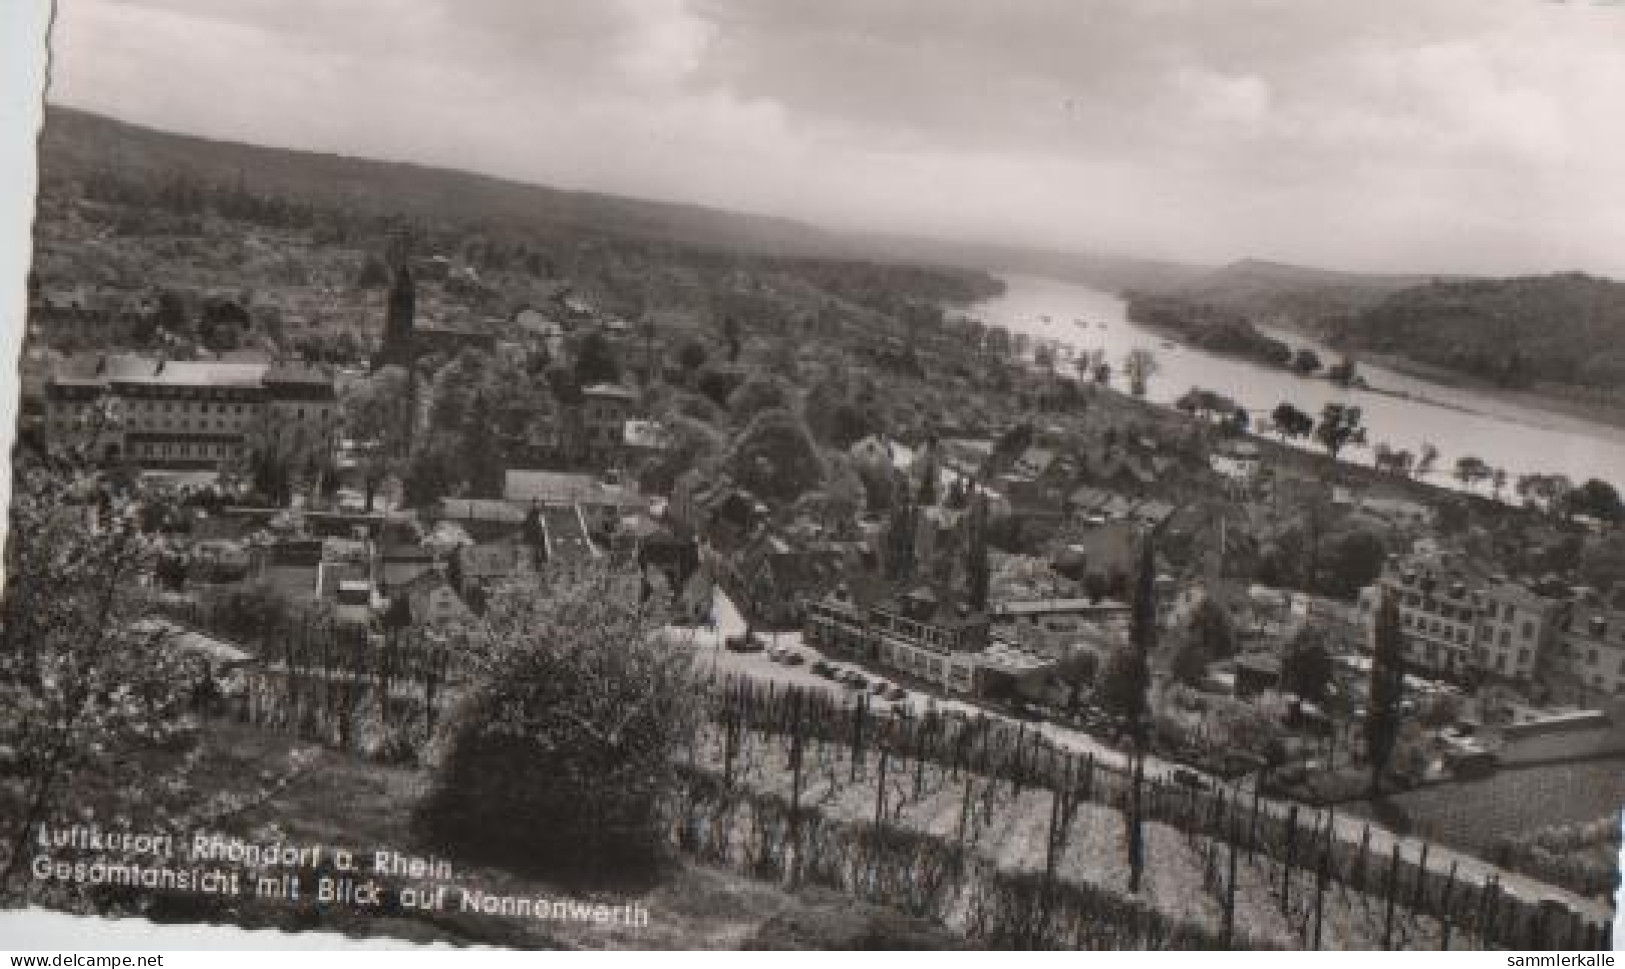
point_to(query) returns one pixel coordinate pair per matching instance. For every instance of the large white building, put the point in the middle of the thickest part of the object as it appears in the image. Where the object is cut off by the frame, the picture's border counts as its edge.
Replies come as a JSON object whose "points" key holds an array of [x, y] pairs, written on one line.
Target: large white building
{"points": [[183, 413], [1455, 622]]}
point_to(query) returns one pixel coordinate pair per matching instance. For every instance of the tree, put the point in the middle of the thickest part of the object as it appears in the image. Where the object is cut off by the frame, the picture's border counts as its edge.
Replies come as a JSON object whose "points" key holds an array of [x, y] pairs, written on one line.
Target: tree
{"points": [[731, 337], [691, 356], [1354, 562], [1385, 458], [1598, 499], [760, 393], [1211, 630], [977, 572], [718, 384], [902, 527], [1290, 422], [1429, 460], [564, 756], [534, 536], [379, 413], [927, 495], [1137, 686], [374, 273], [86, 694], [483, 462], [1548, 492], [1339, 427], [1189, 664], [774, 457], [1343, 373], [1386, 691], [595, 361], [171, 313], [433, 471], [1471, 470], [1307, 667], [1139, 365]]}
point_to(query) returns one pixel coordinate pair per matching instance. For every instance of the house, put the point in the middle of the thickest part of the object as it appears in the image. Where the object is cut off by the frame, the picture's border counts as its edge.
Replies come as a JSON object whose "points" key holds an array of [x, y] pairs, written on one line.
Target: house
{"points": [[433, 602], [483, 519], [719, 510], [678, 563], [880, 453], [916, 635], [641, 438], [1238, 461], [1053, 627], [1257, 673], [967, 457], [1398, 512], [777, 576], [483, 567], [606, 409], [1593, 643], [1034, 462], [399, 564]]}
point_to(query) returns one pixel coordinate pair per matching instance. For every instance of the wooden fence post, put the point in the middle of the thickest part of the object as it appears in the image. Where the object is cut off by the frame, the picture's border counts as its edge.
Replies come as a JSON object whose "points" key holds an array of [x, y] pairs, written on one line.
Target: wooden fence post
{"points": [[1393, 889], [1445, 917], [1286, 869]]}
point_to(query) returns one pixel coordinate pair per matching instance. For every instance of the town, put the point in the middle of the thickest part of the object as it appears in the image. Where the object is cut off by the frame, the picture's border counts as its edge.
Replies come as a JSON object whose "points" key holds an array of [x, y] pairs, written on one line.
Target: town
{"points": [[346, 437]]}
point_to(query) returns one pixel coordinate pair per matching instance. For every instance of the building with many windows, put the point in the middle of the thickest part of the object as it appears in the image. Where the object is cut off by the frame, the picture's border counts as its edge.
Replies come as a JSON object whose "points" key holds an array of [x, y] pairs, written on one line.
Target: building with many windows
{"points": [[606, 409], [160, 413], [914, 638], [1455, 622], [1593, 642]]}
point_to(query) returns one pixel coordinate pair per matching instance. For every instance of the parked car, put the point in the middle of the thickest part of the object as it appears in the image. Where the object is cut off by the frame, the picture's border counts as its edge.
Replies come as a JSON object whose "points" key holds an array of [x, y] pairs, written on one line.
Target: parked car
{"points": [[743, 644], [895, 693], [1188, 778], [792, 658], [822, 668], [878, 686]]}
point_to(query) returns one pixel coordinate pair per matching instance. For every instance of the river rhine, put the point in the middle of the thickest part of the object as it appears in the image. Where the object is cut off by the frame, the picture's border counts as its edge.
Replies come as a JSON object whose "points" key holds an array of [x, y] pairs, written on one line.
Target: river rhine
{"points": [[1512, 436]]}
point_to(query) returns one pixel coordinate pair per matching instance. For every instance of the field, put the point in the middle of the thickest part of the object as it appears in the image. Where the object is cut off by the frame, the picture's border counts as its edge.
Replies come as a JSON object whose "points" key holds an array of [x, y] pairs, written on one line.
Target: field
{"points": [[1474, 814]]}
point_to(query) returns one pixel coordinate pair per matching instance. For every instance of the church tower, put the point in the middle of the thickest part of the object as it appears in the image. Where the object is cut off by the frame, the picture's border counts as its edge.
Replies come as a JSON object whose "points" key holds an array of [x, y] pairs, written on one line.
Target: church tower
{"points": [[398, 337]]}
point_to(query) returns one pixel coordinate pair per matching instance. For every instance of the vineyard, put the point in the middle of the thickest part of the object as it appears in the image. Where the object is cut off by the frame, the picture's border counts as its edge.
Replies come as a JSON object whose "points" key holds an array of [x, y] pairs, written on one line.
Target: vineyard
{"points": [[981, 825], [996, 833]]}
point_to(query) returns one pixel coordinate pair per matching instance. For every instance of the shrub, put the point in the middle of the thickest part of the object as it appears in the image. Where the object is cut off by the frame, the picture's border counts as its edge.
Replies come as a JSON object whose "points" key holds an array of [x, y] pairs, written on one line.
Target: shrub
{"points": [[563, 754]]}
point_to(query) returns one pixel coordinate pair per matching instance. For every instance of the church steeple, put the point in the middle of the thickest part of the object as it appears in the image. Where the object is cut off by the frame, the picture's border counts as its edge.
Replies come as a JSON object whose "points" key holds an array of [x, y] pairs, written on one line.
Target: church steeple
{"points": [[398, 319]]}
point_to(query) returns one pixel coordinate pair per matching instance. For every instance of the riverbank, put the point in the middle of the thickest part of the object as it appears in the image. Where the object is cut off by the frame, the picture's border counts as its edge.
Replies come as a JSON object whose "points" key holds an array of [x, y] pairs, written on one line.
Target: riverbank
{"points": [[1519, 432], [1559, 400]]}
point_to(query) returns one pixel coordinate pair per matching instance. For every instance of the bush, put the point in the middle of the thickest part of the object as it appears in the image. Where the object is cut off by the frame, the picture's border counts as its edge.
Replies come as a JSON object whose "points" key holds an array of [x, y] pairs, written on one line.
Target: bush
{"points": [[563, 755]]}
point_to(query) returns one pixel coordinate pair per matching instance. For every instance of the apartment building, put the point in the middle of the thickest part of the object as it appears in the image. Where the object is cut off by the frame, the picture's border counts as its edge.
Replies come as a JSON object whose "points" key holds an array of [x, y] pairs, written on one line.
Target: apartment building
{"points": [[914, 637], [1593, 642], [181, 413], [1455, 622]]}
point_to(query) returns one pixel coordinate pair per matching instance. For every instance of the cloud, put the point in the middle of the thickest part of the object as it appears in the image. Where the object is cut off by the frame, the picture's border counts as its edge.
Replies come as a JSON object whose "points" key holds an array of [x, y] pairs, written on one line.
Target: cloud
{"points": [[1434, 135]]}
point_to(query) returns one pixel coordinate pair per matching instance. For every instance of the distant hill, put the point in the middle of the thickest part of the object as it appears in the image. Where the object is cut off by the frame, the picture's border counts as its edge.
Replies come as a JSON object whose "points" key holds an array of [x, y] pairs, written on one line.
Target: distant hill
{"points": [[1101, 270], [1298, 297], [76, 144], [1560, 329]]}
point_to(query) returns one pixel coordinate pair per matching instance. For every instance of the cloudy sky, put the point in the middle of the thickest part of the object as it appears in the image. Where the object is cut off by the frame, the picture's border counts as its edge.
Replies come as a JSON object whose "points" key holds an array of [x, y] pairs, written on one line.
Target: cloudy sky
{"points": [[1434, 135]]}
